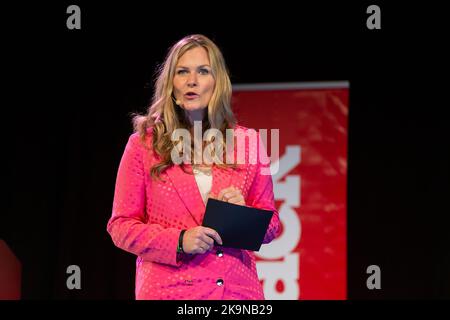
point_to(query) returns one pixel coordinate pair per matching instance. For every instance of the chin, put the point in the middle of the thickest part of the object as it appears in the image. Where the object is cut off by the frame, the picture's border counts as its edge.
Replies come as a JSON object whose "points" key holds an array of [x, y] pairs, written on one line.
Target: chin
{"points": [[193, 107]]}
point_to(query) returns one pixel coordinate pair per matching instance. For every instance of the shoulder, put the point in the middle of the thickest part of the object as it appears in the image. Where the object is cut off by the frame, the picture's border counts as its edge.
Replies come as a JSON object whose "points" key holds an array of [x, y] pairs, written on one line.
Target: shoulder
{"points": [[242, 132], [138, 136], [142, 141], [238, 127]]}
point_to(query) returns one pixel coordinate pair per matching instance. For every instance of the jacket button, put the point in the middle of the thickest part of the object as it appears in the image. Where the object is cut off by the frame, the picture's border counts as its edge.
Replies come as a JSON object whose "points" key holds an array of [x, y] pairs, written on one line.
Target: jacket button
{"points": [[219, 282], [219, 253]]}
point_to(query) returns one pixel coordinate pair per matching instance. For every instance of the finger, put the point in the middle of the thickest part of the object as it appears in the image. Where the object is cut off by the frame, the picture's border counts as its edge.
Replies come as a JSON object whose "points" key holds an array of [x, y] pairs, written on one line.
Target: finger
{"points": [[213, 233], [205, 247], [200, 244], [208, 241], [212, 195], [222, 192], [237, 200], [228, 195], [200, 250], [238, 191]]}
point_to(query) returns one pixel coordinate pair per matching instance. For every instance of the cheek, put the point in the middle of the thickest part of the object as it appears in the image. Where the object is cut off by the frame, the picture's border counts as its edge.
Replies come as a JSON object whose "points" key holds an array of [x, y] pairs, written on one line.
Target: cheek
{"points": [[176, 84], [209, 87], [176, 91]]}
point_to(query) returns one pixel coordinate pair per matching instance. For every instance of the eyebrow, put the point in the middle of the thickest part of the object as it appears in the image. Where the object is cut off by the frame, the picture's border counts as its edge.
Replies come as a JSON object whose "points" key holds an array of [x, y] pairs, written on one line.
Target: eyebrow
{"points": [[202, 66]]}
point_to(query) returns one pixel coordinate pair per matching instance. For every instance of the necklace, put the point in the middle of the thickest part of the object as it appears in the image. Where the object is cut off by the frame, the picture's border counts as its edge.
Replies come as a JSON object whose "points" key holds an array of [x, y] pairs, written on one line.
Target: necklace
{"points": [[205, 170]]}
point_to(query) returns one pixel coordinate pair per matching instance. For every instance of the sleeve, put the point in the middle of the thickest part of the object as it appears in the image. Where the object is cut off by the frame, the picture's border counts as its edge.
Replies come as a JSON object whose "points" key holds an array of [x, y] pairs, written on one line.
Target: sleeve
{"points": [[127, 225], [261, 196]]}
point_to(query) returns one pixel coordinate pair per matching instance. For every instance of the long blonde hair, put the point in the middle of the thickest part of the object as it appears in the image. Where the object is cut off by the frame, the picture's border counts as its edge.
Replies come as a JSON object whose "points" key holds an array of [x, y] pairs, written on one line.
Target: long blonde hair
{"points": [[164, 116]]}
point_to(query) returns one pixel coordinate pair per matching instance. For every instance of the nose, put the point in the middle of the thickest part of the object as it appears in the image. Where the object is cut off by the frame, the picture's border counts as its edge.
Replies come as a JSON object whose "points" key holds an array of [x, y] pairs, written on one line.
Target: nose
{"points": [[192, 80]]}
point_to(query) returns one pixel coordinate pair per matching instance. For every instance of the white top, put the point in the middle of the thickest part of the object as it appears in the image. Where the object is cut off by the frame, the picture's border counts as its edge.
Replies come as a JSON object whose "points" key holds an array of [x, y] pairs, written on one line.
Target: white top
{"points": [[204, 183]]}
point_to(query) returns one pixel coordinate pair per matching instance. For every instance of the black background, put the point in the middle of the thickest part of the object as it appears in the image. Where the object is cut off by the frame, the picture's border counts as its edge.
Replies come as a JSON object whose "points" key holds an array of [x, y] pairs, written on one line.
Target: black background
{"points": [[69, 93]]}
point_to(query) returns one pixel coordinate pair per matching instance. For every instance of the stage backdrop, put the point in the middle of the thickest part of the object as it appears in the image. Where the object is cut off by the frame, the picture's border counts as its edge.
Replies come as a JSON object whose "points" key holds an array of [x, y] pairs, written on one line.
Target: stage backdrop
{"points": [[308, 260]]}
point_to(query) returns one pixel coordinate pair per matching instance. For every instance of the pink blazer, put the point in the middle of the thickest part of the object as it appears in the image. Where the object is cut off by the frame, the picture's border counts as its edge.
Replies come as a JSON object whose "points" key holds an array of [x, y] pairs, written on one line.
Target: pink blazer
{"points": [[147, 217]]}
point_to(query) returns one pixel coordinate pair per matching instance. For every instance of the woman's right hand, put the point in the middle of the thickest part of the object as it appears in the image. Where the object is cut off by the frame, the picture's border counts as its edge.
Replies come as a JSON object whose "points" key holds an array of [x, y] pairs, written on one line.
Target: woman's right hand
{"points": [[200, 240]]}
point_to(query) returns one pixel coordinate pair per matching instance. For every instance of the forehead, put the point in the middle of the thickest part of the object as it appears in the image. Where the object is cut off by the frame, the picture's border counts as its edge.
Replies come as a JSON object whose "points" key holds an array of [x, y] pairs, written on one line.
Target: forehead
{"points": [[194, 57]]}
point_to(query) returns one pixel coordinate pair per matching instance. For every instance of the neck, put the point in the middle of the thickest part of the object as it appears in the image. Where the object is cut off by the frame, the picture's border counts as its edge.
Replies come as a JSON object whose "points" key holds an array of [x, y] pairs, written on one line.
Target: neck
{"points": [[195, 115]]}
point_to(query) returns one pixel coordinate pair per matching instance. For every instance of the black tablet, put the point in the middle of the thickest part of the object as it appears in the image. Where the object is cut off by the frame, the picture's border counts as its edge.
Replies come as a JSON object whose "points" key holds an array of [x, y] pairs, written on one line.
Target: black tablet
{"points": [[239, 226]]}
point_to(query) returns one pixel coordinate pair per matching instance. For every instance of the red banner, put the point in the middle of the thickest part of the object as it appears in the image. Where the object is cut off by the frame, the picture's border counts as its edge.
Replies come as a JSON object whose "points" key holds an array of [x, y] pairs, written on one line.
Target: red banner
{"points": [[308, 260]]}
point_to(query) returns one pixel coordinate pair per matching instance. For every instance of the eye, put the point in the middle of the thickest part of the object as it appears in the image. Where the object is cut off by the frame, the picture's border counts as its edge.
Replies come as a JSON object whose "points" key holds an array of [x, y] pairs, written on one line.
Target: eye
{"points": [[204, 71], [182, 71]]}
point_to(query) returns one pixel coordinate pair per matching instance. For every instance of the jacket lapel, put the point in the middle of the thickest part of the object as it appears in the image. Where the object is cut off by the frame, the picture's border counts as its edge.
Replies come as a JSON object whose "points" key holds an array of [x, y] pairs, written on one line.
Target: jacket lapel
{"points": [[188, 191]]}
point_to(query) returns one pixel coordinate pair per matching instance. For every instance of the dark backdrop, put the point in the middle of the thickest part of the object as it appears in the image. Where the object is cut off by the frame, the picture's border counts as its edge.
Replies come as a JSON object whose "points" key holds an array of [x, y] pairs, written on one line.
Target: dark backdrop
{"points": [[66, 121]]}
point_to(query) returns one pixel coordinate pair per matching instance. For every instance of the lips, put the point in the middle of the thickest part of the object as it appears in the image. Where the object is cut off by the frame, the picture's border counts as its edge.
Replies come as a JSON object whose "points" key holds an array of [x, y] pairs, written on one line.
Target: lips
{"points": [[191, 95]]}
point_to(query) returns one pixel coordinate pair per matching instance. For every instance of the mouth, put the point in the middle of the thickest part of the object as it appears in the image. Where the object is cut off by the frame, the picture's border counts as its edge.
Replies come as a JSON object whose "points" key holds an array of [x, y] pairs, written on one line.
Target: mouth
{"points": [[191, 95]]}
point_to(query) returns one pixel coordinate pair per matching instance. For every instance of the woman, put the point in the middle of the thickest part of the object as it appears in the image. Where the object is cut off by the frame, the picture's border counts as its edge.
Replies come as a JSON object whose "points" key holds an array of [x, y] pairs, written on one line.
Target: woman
{"points": [[159, 205]]}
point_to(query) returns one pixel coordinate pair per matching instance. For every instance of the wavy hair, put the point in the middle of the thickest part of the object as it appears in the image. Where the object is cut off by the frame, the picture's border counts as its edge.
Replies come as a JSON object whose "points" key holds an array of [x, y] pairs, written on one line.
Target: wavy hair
{"points": [[164, 116]]}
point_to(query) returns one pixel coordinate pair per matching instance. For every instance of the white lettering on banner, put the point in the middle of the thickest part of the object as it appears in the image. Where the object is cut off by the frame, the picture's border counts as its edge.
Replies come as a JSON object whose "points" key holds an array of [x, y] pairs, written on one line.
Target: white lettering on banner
{"points": [[286, 271]]}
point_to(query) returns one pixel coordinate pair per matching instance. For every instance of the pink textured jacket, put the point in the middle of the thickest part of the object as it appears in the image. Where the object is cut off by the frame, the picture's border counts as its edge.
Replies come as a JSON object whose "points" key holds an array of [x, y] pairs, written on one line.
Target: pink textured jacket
{"points": [[149, 214]]}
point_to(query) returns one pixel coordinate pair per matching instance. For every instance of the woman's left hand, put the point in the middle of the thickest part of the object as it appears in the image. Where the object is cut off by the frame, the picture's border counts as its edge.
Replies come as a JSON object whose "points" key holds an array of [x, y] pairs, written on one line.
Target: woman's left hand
{"points": [[231, 195]]}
